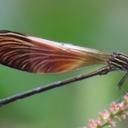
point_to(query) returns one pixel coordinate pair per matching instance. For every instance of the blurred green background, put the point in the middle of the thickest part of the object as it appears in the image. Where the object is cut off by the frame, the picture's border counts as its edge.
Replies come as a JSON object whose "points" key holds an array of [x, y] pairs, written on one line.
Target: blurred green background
{"points": [[100, 24]]}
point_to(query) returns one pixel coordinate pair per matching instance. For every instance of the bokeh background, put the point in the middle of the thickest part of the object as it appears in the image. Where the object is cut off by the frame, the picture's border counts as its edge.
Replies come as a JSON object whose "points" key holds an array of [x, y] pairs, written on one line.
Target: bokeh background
{"points": [[100, 24]]}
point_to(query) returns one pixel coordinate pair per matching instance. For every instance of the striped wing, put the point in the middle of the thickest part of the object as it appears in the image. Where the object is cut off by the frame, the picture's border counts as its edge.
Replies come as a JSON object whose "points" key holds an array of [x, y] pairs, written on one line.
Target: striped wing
{"points": [[39, 55]]}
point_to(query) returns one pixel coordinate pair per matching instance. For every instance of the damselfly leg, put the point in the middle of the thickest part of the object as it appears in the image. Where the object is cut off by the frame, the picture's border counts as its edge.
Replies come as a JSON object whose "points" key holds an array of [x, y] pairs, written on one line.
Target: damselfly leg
{"points": [[121, 83]]}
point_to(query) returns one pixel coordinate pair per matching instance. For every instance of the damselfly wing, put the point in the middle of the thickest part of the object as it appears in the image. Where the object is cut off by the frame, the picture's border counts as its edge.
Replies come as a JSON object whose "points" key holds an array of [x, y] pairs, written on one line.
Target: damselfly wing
{"points": [[34, 54]]}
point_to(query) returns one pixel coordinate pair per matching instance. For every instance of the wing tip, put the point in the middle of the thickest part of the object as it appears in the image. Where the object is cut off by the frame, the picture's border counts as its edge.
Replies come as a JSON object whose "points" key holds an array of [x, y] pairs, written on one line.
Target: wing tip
{"points": [[8, 31]]}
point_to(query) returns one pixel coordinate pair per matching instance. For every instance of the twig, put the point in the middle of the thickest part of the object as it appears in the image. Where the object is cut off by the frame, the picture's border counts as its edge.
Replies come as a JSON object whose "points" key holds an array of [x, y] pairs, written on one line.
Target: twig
{"points": [[22, 95]]}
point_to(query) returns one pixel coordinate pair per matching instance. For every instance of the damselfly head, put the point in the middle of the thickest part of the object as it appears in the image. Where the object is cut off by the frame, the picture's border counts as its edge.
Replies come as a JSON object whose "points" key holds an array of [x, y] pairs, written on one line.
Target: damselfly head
{"points": [[119, 60]]}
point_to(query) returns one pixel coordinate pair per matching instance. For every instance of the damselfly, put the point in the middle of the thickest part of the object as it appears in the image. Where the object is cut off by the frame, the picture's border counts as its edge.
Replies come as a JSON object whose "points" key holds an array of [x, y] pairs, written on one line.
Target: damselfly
{"points": [[32, 54]]}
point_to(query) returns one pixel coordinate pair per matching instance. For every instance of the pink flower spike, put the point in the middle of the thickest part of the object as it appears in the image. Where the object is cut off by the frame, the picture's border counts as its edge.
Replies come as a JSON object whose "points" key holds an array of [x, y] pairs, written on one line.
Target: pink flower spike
{"points": [[93, 123], [116, 112], [114, 107], [122, 106], [104, 115]]}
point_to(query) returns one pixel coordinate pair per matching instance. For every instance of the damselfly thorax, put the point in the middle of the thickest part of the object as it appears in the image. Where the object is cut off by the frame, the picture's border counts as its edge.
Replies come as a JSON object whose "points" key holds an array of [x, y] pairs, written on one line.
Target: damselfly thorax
{"points": [[38, 55]]}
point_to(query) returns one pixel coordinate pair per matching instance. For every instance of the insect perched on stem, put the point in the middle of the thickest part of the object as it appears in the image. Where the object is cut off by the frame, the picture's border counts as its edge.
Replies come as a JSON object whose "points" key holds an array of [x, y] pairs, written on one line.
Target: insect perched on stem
{"points": [[32, 54]]}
